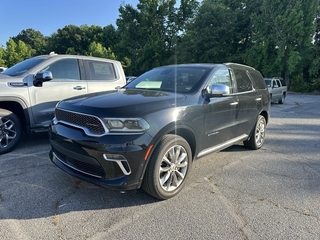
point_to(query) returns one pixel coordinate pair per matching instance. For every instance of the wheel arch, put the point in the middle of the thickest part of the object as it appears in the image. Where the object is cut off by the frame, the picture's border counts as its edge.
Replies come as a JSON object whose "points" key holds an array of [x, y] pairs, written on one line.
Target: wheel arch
{"points": [[265, 115], [188, 135], [181, 130], [20, 109]]}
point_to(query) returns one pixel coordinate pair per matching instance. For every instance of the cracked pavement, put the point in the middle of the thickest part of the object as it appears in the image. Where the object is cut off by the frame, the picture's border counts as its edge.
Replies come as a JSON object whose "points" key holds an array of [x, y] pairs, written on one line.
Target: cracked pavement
{"points": [[272, 193]]}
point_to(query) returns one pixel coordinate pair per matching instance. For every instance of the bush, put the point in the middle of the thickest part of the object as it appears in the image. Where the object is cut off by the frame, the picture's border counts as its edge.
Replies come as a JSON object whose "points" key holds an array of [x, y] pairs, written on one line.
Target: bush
{"points": [[298, 84], [315, 85]]}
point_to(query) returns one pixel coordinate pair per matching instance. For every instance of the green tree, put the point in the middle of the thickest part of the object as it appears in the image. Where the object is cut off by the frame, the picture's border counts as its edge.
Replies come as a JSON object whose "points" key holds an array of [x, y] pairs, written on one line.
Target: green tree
{"points": [[2, 60], [76, 40], [148, 34], [109, 37], [314, 69], [16, 53], [97, 50], [71, 39], [218, 34], [34, 39], [282, 31]]}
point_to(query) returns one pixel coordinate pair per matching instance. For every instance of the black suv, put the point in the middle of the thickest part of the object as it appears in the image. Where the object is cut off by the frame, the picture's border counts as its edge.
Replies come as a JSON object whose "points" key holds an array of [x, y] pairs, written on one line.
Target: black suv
{"points": [[149, 132]]}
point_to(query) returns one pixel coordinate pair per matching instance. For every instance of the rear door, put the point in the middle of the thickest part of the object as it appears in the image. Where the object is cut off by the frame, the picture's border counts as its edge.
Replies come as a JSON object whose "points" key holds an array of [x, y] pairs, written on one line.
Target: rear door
{"points": [[102, 76], [249, 98], [66, 83]]}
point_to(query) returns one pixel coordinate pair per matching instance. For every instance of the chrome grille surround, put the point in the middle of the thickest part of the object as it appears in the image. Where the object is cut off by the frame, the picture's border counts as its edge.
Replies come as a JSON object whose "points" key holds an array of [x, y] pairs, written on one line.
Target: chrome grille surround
{"points": [[91, 125]]}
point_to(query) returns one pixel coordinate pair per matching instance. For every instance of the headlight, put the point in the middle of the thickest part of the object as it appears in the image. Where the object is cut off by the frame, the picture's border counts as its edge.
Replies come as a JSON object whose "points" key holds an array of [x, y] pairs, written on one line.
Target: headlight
{"points": [[126, 124]]}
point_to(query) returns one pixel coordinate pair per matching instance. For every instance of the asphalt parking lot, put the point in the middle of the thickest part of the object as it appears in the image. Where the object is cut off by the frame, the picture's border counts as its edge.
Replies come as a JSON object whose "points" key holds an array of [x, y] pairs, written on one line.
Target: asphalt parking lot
{"points": [[272, 193]]}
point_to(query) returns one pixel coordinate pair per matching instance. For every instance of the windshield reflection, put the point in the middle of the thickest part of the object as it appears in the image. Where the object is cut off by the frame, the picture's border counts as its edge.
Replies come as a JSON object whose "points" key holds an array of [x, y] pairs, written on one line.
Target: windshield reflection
{"points": [[180, 79], [22, 67]]}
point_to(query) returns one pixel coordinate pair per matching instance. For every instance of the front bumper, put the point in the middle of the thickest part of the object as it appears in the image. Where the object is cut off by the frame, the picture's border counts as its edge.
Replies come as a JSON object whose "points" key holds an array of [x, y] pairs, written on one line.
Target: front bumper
{"points": [[113, 161]]}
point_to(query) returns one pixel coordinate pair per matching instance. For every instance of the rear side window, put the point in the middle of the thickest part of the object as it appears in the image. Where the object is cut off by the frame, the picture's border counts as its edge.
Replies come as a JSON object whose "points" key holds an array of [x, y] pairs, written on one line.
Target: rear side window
{"points": [[277, 83], [258, 79], [101, 70], [243, 81], [283, 82]]}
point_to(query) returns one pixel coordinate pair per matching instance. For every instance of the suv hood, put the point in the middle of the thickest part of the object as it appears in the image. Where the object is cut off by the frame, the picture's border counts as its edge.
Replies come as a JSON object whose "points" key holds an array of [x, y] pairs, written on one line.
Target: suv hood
{"points": [[123, 103], [4, 77]]}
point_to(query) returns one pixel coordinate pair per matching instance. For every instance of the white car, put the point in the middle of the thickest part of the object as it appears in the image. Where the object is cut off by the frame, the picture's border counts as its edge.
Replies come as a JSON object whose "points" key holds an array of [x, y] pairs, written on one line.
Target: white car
{"points": [[2, 69]]}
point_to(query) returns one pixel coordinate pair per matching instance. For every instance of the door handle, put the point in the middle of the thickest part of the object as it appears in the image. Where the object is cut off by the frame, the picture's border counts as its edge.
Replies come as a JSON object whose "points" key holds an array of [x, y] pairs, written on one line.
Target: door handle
{"points": [[234, 103], [258, 99], [78, 88]]}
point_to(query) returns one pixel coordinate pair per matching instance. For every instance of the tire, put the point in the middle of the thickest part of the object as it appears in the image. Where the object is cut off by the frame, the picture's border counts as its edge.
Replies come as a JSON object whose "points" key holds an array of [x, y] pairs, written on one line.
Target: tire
{"points": [[10, 131], [168, 168], [281, 101], [257, 137]]}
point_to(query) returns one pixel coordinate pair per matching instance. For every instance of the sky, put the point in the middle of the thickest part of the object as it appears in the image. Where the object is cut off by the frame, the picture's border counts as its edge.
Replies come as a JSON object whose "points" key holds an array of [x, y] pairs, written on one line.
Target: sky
{"points": [[47, 16]]}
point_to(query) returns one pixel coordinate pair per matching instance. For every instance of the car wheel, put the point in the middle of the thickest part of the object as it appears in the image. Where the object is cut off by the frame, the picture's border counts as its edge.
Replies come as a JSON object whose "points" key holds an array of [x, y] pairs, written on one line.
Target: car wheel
{"points": [[168, 168], [10, 131], [257, 137], [281, 101]]}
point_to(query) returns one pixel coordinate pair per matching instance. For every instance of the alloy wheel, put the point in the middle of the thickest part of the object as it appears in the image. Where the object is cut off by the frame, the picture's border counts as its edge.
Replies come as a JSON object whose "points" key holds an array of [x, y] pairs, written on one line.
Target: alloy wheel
{"points": [[173, 168], [7, 132]]}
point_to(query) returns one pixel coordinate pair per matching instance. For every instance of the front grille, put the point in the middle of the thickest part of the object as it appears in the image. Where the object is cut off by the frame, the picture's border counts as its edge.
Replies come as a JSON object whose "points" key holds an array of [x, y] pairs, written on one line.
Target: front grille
{"points": [[90, 167], [86, 122]]}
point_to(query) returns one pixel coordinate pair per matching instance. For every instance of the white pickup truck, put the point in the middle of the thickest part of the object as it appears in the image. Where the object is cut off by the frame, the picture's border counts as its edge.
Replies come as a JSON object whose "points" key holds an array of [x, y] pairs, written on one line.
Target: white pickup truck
{"points": [[277, 88], [27, 104]]}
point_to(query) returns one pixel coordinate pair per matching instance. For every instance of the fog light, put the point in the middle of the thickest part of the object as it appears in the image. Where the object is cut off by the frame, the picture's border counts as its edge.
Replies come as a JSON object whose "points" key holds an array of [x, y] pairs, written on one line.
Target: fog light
{"points": [[120, 160]]}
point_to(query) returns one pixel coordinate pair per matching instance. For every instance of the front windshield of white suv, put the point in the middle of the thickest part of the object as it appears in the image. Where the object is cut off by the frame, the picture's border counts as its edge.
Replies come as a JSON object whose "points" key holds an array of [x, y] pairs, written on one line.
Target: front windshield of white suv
{"points": [[22, 67]]}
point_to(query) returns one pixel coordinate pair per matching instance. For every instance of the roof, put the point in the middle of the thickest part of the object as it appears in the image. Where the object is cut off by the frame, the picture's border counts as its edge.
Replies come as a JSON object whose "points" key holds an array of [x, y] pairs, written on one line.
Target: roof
{"points": [[55, 55]]}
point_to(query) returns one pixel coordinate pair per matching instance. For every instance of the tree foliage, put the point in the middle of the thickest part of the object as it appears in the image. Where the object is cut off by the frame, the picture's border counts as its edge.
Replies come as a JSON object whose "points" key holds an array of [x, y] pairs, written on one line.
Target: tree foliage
{"points": [[2, 60], [149, 34], [282, 31], [97, 50], [315, 66], [219, 33], [16, 52], [35, 40]]}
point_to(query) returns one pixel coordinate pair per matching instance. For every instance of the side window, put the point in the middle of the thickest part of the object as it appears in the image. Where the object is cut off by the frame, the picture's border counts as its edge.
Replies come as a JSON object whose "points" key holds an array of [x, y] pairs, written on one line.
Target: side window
{"points": [[64, 69], [101, 70], [243, 81], [283, 82], [221, 76], [278, 83], [258, 79]]}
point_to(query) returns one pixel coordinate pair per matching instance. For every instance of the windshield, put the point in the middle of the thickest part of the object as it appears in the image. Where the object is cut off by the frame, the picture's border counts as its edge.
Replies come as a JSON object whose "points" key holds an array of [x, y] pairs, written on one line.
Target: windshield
{"points": [[181, 79], [22, 67]]}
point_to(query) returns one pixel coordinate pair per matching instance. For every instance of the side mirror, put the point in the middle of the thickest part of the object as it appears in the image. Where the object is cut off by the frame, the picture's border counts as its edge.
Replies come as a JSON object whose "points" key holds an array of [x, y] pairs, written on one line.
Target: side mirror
{"points": [[218, 90], [42, 77]]}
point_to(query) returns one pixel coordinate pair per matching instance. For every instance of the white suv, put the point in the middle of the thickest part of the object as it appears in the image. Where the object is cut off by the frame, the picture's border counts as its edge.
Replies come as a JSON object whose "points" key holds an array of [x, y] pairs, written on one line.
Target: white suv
{"points": [[28, 106]]}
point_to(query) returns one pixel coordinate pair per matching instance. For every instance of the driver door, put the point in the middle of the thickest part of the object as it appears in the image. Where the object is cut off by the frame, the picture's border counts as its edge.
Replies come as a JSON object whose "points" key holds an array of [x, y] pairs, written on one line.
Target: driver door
{"points": [[66, 83], [220, 112]]}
